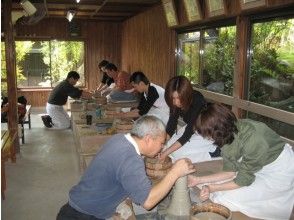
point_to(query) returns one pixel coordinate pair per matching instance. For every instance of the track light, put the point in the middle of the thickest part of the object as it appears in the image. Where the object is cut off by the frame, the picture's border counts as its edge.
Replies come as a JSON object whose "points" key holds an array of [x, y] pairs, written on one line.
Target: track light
{"points": [[29, 8], [70, 14]]}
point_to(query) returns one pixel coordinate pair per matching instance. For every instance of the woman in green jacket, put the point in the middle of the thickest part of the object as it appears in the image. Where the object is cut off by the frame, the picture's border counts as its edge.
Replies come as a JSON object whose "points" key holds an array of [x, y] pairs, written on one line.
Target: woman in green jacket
{"points": [[258, 167]]}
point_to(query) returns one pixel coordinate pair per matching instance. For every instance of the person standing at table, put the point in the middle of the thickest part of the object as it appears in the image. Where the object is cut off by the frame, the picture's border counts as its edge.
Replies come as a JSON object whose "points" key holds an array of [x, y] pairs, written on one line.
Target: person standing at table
{"points": [[258, 166], [123, 90], [106, 80], [57, 117], [186, 103], [118, 172], [151, 98]]}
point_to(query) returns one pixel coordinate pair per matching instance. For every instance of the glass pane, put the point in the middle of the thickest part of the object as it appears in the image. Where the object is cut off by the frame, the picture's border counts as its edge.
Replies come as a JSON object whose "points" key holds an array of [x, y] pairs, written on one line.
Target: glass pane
{"points": [[272, 64], [281, 128], [67, 56], [218, 59], [188, 56], [3, 61], [31, 68], [3, 71]]}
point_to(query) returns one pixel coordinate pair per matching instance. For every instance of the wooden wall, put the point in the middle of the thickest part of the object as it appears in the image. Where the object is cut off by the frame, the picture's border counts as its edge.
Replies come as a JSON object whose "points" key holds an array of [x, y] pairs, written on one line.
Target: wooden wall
{"points": [[148, 45], [103, 41]]}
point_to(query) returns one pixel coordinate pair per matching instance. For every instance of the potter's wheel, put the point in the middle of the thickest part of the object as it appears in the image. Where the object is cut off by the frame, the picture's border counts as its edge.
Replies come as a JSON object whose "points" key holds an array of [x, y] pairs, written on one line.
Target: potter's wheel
{"points": [[210, 211]]}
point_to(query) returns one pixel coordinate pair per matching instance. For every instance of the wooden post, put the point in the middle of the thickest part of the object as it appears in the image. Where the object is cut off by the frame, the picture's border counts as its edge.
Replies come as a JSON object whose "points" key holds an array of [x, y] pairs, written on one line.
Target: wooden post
{"points": [[11, 72], [241, 67]]}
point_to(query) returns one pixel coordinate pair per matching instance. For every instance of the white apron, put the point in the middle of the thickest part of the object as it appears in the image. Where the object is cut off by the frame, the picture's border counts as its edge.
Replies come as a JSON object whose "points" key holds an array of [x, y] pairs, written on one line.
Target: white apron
{"points": [[197, 149], [270, 196], [162, 114], [60, 118]]}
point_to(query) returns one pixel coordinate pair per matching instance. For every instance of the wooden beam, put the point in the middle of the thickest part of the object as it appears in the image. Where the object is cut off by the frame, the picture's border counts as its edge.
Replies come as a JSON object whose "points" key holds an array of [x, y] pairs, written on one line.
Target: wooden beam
{"points": [[11, 72], [241, 59], [267, 111]]}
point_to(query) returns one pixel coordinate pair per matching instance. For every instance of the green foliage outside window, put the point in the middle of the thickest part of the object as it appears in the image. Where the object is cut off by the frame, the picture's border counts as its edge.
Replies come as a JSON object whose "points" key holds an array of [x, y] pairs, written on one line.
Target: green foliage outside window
{"points": [[272, 66], [215, 61], [45, 63], [3, 71], [219, 58]]}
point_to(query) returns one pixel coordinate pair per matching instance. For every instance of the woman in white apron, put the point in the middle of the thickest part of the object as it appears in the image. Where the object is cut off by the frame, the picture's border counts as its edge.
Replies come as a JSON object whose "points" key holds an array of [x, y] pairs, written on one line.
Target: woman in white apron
{"points": [[151, 98], [258, 169], [185, 103]]}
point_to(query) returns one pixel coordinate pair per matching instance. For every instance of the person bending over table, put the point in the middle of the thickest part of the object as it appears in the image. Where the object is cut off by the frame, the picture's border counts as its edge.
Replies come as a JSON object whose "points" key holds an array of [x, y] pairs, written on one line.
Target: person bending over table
{"points": [[258, 168], [57, 117], [187, 103], [118, 172], [151, 98], [123, 90], [106, 80]]}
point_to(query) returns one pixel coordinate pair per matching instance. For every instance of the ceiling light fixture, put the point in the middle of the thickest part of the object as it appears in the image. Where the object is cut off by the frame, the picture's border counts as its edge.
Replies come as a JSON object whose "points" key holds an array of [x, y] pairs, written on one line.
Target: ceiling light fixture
{"points": [[70, 14], [77, 1]]}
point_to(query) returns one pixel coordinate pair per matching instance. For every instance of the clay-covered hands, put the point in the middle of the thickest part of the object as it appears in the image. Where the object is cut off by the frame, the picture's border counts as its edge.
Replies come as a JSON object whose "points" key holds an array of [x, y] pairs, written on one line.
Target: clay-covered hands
{"points": [[193, 181], [162, 156], [86, 95], [204, 193], [183, 167]]}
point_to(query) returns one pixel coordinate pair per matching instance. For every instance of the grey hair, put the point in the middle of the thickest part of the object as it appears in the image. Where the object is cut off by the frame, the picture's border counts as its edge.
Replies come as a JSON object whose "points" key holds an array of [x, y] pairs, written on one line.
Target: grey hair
{"points": [[148, 125]]}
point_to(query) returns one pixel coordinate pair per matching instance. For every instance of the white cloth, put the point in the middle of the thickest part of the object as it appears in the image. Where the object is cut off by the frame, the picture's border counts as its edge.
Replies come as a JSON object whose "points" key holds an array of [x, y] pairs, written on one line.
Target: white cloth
{"points": [[270, 196], [160, 109], [162, 114], [197, 149], [60, 118], [160, 102]]}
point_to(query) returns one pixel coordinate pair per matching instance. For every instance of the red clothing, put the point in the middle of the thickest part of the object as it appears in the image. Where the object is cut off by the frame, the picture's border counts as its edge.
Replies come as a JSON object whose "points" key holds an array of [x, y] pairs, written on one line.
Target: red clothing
{"points": [[122, 81]]}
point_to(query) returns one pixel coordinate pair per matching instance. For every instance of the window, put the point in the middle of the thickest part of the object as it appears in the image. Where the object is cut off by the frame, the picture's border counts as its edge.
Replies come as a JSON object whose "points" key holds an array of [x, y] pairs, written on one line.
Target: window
{"points": [[271, 78], [206, 57], [46, 63]]}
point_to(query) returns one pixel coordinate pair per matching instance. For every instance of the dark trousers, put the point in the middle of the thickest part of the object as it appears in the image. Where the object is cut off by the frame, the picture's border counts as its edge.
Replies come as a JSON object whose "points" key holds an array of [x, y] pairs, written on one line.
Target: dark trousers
{"points": [[68, 213]]}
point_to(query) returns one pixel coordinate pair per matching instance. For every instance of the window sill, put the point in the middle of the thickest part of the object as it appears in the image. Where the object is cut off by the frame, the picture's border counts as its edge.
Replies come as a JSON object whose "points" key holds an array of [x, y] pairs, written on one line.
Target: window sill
{"points": [[33, 89]]}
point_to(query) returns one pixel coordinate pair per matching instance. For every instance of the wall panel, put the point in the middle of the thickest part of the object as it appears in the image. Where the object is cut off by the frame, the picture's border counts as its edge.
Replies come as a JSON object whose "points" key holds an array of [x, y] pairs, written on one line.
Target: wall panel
{"points": [[148, 45]]}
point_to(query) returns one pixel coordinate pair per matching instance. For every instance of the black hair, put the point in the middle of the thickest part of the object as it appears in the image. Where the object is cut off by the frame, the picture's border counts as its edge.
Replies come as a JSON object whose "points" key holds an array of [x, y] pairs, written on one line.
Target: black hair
{"points": [[138, 77], [111, 66], [103, 63], [73, 74]]}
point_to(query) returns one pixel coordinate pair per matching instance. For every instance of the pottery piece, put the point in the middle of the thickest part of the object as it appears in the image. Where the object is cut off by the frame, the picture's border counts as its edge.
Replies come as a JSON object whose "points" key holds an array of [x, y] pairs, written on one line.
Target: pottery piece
{"points": [[123, 125], [157, 169], [180, 204], [210, 211]]}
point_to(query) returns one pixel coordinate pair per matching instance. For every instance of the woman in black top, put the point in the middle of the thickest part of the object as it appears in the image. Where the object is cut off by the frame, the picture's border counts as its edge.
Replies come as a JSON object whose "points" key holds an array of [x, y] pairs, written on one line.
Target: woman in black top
{"points": [[106, 80], [186, 103]]}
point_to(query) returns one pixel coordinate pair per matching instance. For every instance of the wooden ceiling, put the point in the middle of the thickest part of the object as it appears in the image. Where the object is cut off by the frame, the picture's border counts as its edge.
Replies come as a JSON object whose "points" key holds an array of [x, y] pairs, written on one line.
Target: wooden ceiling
{"points": [[104, 10]]}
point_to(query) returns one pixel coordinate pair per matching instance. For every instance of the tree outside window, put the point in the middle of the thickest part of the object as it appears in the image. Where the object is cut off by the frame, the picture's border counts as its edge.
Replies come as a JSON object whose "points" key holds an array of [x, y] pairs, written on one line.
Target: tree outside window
{"points": [[206, 57], [46, 63], [271, 78]]}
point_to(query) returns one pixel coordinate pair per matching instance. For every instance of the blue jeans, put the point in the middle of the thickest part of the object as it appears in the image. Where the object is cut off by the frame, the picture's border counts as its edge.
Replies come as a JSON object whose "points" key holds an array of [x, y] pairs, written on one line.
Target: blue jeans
{"points": [[68, 213]]}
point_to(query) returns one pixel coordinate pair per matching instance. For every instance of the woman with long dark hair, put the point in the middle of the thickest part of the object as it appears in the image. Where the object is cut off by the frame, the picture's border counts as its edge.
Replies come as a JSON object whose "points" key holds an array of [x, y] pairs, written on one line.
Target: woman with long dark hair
{"points": [[258, 169], [185, 103]]}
